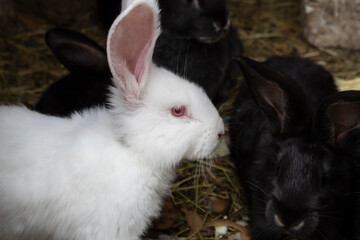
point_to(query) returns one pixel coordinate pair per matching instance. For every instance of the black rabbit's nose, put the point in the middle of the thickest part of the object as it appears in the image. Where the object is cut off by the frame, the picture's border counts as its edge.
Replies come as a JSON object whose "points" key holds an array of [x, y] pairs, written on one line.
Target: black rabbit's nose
{"points": [[227, 25], [298, 226], [294, 227], [278, 221], [222, 26], [217, 26]]}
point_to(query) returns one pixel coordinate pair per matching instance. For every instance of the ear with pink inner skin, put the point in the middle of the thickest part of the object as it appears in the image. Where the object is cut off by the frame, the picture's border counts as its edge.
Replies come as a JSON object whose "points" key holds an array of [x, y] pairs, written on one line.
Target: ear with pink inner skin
{"points": [[338, 118], [130, 46]]}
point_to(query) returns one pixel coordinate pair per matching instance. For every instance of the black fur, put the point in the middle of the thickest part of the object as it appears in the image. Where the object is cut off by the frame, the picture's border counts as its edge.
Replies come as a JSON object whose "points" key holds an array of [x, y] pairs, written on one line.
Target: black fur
{"points": [[86, 85], [206, 64], [192, 47], [296, 178], [109, 10]]}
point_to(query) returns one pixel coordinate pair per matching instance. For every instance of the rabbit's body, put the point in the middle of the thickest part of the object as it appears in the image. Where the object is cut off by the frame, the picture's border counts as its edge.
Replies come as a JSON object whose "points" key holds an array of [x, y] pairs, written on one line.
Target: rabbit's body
{"points": [[296, 184], [69, 194], [102, 174]]}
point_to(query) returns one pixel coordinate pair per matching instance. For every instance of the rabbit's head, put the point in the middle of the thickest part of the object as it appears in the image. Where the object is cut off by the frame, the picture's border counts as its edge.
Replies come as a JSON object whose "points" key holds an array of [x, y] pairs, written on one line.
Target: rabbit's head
{"points": [[306, 167], [157, 113], [204, 20]]}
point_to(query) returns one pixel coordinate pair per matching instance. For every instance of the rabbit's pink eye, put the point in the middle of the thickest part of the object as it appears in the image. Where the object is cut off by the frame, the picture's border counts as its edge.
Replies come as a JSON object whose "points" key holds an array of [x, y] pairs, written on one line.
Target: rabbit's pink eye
{"points": [[178, 111]]}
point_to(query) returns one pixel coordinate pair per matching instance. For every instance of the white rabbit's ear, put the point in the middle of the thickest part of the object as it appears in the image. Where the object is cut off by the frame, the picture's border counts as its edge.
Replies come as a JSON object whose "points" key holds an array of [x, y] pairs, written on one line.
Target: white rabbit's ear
{"points": [[130, 46], [125, 4]]}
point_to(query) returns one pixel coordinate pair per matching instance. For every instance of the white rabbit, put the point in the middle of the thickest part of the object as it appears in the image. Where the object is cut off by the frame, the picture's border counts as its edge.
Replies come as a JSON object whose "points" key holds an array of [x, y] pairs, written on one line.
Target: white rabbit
{"points": [[102, 174]]}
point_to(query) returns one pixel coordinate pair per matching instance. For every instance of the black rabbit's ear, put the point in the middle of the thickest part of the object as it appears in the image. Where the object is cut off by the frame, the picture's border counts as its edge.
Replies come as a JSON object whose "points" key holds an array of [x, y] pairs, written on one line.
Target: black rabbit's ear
{"points": [[338, 118], [278, 95], [77, 52]]}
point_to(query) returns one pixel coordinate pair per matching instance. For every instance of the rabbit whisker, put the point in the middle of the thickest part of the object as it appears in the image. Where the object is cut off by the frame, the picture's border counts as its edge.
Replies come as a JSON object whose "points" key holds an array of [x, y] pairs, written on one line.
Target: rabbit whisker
{"points": [[228, 112], [203, 172], [254, 185], [269, 229], [178, 58], [223, 104], [329, 217], [352, 193], [261, 200], [318, 230], [258, 213], [186, 58]]}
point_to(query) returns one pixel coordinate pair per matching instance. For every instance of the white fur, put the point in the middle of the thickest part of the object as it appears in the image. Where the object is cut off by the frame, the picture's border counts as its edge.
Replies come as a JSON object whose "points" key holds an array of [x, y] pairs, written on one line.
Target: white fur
{"points": [[101, 174]]}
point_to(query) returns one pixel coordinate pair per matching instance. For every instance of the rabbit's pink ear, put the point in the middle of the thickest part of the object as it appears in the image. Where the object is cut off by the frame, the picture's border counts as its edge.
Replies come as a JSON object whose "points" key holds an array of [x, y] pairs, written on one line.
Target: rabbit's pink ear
{"points": [[278, 95], [130, 46], [338, 118]]}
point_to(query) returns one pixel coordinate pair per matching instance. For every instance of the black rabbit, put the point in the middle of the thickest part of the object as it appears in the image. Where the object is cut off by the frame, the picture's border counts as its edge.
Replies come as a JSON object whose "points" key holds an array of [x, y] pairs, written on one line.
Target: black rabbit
{"points": [[89, 78], [290, 155], [198, 42]]}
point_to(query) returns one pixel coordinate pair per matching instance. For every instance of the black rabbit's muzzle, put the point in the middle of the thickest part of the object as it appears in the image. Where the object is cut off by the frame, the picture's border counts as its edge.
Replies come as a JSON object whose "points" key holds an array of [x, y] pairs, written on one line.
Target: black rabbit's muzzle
{"points": [[294, 223], [219, 30]]}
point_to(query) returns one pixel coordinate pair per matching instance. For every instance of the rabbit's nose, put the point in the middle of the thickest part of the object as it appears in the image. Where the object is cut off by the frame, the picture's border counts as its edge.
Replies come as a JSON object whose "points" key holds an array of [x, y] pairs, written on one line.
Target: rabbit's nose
{"points": [[294, 227], [227, 25], [278, 221], [222, 26], [217, 26], [298, 226], [220, 135]]}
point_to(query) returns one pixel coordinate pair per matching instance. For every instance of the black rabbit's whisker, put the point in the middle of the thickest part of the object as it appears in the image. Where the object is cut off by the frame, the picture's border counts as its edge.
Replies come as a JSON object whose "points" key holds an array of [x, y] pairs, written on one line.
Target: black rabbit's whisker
{"points": [[253, 184]]}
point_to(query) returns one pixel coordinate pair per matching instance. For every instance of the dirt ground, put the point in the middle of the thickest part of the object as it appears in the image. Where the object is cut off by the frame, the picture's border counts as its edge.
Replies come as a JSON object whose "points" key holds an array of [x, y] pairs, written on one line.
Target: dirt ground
{"points": [[266, 27]]}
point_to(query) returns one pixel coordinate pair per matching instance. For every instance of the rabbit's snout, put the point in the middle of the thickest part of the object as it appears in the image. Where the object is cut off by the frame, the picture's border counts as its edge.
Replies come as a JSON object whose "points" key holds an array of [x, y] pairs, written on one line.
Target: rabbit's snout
{"points": [[295, 223], [291, 225], [221, 128], [220, 134], [294, 227], [222, 27], [278, 221]]}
